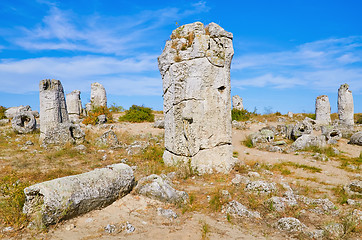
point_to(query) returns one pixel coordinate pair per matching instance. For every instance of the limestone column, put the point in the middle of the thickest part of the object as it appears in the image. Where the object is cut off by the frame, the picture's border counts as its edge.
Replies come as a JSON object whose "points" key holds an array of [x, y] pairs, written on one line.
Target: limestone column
{"points": [[237, 102], [74, 105], [53, 109], [195, 68], [345, 105], [98, 95], [323, 110]]}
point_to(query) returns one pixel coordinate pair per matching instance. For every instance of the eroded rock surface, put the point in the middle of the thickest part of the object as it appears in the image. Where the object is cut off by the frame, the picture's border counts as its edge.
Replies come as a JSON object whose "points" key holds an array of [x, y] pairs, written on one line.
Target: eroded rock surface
{"points": [[345, 105], [63, 198], [74, 105], [356, 139], [23, 122], [195, 68], [237, 102], [98, 95], [323, 110]]}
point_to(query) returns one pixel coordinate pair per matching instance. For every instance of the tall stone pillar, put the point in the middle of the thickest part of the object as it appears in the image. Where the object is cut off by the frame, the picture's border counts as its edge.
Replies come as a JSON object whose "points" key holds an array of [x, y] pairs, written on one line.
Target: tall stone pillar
{"points": [[323, 110], [53, 109], [98, 95], [195, 68], [237, 102], [345, 106], [74, 105]]}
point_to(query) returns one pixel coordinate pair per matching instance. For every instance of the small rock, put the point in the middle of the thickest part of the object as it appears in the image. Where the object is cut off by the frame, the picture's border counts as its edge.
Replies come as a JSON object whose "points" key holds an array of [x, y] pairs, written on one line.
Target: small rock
{"points": [[69, 227], [290, 224], [89, 220], [236, 208], [334, 230], [29, 143], [104, 157], [238, 179], [110, 228], [8, 229], [253, 174], [168, 213], [261, 187], [129, 228]]}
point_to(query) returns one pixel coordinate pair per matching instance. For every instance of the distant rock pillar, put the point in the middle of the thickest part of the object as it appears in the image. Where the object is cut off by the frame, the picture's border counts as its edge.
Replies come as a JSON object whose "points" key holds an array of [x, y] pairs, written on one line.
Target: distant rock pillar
{"points": [[195, 68], [238, 102], [323, 110], [53, 109], [345, 106], [74, 105], [98, 95]]}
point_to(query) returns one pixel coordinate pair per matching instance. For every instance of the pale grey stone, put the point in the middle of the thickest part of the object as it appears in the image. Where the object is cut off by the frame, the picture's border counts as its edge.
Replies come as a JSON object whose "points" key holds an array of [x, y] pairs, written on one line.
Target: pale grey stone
{"points": [[356, 139], [4, 121], [74, 105], [355, 186], [321, 205], [280, 203], [323, 110], [167, 213], [63, 198], [300, 129], [108, 139], [64, 133], [98, 95], [102, 119], [53, 109], [23, 122], [195, 68], [332, 134], [159, 188], [290, 114], [110, 228], [345, 105], [237, 209], [137, 147], [260, 187], [334, 230], [238, 179], [290, 224], [159, 124], [262, 136], [308, 141], [237, 102], [12, 111]]}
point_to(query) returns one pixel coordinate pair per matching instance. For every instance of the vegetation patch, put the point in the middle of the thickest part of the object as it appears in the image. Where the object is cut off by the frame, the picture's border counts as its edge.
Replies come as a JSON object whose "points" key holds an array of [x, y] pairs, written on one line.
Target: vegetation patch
{"points": [[138, 114], [92, 117], [2, 112], [241, 115]]}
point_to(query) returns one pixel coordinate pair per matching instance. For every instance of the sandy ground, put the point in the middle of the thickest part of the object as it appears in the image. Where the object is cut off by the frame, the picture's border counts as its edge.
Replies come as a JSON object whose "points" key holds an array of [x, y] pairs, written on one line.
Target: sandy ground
{"points": [[141, 212]]}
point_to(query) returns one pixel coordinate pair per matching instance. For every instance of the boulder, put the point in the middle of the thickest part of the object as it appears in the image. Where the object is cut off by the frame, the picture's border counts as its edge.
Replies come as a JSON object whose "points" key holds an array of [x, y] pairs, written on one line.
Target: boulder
{"points": [[159, 124], [160, 188], [12, 111], [260, 187], [23, 122], [262, 136], [301, 128], [331, 133], [356, 139], [4, 121], [290, 224], [309, 141], [195, 68], [237, 209], [108, 139], [63, 198], [102, 119]]}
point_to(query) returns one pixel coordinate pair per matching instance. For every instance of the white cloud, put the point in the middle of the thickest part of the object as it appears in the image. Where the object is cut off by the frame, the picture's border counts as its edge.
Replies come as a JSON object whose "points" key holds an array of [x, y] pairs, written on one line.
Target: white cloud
{"points": [[323, 64], [122, 77]]}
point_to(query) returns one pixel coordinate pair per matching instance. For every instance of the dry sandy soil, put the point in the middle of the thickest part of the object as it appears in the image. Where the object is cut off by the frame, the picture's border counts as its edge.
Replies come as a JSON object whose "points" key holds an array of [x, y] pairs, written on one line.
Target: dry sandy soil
{"points": [[204, 223]]}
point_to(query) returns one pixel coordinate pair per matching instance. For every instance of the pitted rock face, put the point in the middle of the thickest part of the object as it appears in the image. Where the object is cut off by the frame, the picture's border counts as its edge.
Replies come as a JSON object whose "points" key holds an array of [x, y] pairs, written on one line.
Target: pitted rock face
{"points": [[238, 102], [195, 68], [98, 95], [53, 109], [323, 110], [345, 105], [74, 105]]}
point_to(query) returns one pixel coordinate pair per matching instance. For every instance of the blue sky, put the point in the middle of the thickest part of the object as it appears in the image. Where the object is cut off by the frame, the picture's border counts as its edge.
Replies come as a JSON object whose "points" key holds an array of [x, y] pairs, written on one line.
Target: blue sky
{"points": [[286, 52]]}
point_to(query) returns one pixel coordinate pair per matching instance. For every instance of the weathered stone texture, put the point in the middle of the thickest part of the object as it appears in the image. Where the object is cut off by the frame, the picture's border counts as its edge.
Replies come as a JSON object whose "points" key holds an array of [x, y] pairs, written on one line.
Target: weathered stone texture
{"points": [[195, 68], [98, 95], [345, 105], [74, 105], [53, 109], [63, 198], [237, 102], [323, 110], [356, 138], [23, 122]]}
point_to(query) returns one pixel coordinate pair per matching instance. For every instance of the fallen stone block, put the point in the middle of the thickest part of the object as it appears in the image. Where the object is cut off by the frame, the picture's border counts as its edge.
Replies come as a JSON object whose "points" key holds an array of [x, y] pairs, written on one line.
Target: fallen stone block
{"points": [[63, 198], [23, 122]]}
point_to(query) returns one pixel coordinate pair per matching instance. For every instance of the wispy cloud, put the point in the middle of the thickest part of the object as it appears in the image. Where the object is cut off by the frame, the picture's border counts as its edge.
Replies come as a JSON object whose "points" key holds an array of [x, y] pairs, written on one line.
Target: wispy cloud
{"points": [[321, 64], [119, 76], [65, 30]]}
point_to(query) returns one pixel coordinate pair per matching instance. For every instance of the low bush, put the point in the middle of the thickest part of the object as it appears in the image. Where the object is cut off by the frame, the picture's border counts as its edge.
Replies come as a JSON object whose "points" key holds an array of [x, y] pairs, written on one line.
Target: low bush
{"points": [[2, 112], [241, 115], [358, 118], [92, 117], [138, 114], [116, 109]]}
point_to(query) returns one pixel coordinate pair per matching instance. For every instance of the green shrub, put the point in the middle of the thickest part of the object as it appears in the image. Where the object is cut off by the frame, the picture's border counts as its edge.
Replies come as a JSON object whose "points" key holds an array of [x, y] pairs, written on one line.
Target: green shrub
{"points": [[116, 109], [358, 118], [2, 112], [241, 115], [92, 117], [138, 114], [310, 115]]}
